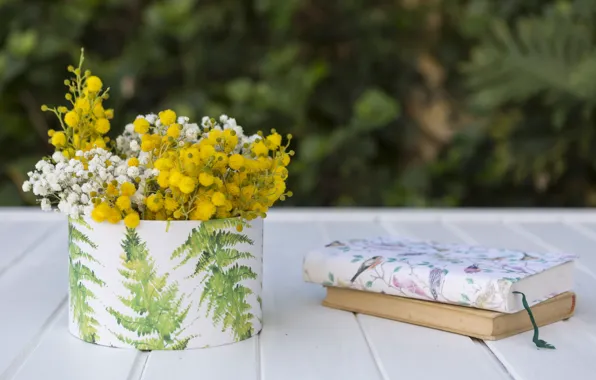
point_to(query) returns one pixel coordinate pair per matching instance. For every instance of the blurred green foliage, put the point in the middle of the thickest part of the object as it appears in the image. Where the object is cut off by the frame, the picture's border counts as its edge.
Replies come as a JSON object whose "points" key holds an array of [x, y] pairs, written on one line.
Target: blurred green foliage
{"points": [[394, 103]]}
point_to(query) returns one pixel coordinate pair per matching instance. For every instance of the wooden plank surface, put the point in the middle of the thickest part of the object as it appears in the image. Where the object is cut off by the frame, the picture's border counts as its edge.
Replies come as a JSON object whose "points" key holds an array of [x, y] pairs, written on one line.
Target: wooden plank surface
{"points": [[16, 238], [30, 292], [60, 355], [562, 237], [232, 361], [302, 339], [406, 351]]}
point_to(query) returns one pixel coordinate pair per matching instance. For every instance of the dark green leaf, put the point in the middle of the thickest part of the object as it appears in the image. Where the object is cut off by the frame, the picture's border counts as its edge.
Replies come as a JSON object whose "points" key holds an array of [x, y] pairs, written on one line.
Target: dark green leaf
{"points": [[374, 109]]}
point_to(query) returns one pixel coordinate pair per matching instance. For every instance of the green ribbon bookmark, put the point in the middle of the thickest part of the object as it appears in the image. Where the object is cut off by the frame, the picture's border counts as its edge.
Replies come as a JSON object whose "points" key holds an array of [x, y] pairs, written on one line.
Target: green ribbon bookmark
{"points": [[538, 342]]}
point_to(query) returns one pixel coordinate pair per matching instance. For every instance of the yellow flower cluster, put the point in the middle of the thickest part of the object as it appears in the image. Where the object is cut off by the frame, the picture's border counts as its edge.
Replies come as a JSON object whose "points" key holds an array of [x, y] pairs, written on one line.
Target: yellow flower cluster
{"points": [[85, 122], [115, 202], [173, 172], [209, 178]]}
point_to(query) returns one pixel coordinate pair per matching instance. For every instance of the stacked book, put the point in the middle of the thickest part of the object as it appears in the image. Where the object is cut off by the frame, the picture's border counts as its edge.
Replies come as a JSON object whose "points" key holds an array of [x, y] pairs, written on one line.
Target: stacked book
{"points": [[481, 292]]}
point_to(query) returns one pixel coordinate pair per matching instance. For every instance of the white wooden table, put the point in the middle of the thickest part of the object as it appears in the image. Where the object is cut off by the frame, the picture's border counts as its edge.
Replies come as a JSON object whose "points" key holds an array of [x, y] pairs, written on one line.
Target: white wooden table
{"points": [[301, 339]]}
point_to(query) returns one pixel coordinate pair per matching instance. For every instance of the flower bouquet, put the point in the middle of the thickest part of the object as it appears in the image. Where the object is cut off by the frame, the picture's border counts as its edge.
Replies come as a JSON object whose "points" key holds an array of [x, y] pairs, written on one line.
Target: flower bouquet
{"points": [[165, 221]]}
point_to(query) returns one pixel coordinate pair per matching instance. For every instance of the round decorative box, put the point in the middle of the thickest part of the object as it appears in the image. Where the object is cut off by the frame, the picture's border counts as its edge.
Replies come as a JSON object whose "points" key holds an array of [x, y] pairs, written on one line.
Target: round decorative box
{"points": [[165, 285]]}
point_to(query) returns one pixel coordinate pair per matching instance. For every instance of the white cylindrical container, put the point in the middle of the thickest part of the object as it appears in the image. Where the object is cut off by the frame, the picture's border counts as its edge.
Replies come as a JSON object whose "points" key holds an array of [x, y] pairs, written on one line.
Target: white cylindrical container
{"points": [[165, 286]]}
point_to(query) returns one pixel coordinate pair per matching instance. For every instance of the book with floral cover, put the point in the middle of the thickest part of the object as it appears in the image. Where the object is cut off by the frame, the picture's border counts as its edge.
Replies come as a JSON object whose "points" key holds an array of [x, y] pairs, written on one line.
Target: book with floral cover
{"points": [[459, 274]]}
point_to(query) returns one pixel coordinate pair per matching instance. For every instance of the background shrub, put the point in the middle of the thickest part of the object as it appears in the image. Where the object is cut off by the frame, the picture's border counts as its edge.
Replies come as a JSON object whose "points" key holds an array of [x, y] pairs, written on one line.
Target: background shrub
{"points": [[392, 103]]}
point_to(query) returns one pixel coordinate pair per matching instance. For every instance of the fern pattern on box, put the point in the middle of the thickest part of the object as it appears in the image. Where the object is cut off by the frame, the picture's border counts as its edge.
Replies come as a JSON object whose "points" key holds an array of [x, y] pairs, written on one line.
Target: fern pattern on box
{"points": [[80, 277], [156, 312], [213, 249], [166, 286]]}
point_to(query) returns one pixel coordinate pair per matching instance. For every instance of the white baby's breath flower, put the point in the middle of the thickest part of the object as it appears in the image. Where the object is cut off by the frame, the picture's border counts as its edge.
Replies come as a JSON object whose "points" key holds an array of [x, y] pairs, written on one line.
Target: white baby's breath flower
{"points": [[133, 171], [151, 118], [58, 157], [120, 170], [205, 122], [134, 146], [64, 207], [38, 189], [143, 158], [138, 198], [87, 210], [191, 135], [239, 131], [103, 174], [191, 132], [46, 205], [73, 198], [75, 211]]}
